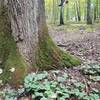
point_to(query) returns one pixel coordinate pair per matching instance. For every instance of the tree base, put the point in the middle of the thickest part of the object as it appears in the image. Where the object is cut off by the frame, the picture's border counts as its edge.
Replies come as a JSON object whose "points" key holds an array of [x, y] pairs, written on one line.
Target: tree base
{"points": [[52, 57], [12, 65], [49, 56]]}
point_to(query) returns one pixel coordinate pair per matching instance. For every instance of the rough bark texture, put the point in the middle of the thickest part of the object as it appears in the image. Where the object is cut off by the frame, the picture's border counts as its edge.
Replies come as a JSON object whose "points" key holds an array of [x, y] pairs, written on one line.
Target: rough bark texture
{"points": [[30, 34], [9, 54], [24, 21]]}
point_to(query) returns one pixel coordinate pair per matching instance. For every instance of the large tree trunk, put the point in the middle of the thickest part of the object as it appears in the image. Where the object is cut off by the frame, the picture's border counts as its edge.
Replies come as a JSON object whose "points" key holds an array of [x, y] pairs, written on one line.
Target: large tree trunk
{"points": [[10, 57], [31, 47], [28, 26]]}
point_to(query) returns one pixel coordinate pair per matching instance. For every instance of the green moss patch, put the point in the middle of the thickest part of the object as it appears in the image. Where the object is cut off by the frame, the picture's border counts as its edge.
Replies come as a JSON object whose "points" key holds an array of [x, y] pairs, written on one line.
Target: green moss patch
{"points": [[51, 57], [9, 55]]}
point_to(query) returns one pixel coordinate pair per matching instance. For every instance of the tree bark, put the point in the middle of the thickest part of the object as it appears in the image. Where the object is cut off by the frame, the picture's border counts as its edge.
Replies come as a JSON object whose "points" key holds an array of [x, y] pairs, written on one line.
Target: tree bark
{"points": [[78, 10], [61, 15], [28, 24], [89, 16], [31, 47]]}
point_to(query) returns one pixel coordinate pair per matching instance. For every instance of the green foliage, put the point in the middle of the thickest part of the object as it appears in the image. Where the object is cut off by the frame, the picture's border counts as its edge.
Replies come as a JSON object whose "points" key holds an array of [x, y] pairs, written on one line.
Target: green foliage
{"points": [[44, 88], [91, 69], [71, 11], [10, 95]]}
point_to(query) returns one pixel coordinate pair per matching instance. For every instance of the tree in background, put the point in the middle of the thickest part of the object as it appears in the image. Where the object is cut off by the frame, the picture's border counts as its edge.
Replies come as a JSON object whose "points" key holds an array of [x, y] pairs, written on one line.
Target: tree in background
{"points": [[67, 12], [61, 15], [89, 15], [96, 10], [25, 44], [75, 11], [77, 2], [63, 2]]}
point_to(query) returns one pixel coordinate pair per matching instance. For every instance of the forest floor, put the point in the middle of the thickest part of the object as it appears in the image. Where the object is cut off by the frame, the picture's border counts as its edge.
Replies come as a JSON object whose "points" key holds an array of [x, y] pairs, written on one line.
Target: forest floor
{"points": [[82, 41]]}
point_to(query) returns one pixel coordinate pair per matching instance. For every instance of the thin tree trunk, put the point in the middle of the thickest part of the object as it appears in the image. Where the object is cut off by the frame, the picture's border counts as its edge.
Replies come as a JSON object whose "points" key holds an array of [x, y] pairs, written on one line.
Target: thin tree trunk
{"points": [[61, 15], [89, 16], [67, 13], [78, 11], [75, 11], [95, 16]]}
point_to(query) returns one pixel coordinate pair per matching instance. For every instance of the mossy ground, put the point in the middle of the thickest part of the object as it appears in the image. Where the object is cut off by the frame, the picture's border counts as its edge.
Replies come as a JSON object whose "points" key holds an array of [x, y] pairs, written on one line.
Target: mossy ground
{"points": [[9, 55]]}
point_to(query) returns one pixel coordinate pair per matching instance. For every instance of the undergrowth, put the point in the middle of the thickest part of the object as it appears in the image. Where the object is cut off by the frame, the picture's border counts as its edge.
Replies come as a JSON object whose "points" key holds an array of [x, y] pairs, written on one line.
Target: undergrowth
{"points": [[44, 86]]}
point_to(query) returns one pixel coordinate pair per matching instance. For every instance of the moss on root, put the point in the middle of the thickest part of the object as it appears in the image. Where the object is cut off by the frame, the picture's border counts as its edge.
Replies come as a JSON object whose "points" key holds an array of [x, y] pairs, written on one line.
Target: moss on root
{"points": [[9, 55], [52, 57]]}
